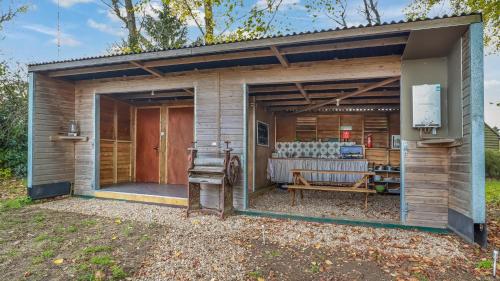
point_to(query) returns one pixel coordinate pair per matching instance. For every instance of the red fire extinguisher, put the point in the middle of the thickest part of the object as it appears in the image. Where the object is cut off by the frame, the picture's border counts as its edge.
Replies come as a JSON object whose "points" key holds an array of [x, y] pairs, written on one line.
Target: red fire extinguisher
{"points": [[369, 142]]}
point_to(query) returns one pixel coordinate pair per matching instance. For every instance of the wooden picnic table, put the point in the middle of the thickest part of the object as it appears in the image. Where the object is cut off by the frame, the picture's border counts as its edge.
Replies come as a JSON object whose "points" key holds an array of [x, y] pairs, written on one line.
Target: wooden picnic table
{"points": [[300, 183]]}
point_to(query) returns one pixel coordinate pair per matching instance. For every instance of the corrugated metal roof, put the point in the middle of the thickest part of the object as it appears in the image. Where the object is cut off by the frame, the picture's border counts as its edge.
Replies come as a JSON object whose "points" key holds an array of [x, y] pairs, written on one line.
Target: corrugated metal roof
{"points": [[254, 39]]}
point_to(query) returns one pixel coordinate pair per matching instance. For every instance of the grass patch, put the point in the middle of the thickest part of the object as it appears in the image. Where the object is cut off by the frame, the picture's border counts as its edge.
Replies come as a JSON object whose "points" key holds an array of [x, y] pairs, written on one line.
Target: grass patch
{"points": [[255, 274], [493, 192], [102, 260], [314, 267], [16, 203], [97, 249], [485, 264], [117, 273], [41, 237]]}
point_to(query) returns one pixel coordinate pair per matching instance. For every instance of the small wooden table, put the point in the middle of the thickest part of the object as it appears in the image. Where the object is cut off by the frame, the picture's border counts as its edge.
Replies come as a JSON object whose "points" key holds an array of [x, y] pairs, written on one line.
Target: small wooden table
{"points": [[300, 183]]}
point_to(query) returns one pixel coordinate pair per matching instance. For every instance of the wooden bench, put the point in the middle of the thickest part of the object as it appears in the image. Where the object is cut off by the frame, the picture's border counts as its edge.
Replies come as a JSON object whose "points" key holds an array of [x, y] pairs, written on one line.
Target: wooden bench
{"points": [[300, 183]]}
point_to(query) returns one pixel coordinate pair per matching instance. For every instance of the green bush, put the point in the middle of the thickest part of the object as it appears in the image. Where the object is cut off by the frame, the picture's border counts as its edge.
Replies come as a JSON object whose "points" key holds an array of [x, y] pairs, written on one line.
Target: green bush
{"points": [[492, 160], [13, 120]]}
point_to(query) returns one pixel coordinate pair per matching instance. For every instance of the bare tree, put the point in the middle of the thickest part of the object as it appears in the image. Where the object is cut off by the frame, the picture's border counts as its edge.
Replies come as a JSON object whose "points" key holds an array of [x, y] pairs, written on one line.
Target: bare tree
{"points": [[370, 11]]}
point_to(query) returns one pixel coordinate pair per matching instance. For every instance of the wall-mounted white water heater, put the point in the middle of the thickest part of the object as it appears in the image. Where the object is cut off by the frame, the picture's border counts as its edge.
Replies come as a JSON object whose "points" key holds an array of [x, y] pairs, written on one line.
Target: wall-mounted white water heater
{"points": [[426, 106]]}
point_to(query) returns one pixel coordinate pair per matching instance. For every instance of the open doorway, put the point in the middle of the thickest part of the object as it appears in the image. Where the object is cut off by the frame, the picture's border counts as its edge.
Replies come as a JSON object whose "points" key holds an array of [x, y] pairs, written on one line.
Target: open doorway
{"points": [[343, 159], [144, 137]]}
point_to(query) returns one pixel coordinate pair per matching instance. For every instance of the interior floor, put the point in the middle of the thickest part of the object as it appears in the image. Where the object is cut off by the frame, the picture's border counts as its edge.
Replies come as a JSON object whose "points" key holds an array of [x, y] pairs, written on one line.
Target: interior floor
{"points": [[330, 204], [168, 190]]}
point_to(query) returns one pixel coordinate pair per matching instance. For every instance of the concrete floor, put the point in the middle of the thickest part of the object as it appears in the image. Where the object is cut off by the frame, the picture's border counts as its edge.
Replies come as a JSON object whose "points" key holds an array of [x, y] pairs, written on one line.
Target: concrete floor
{"points": [[169, 190]]}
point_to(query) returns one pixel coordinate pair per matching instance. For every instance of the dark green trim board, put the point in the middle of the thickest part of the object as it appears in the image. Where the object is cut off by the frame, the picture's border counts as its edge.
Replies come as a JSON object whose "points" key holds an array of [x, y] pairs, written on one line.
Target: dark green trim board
{"points": [[97, 142], [31, 116], [353, 222], [49, 190]]}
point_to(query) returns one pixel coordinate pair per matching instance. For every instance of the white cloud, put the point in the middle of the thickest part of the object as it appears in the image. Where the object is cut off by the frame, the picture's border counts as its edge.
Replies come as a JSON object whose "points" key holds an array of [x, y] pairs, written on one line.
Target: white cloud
{"points": [[69, 3], [65, 39], [102, 27]]}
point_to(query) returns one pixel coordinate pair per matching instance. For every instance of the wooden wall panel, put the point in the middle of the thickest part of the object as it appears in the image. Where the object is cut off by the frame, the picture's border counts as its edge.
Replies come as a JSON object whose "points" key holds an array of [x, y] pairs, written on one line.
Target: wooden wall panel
{"points": [[263, 153], [285, 128], [124, 116], [54, 108], [460, 157], [426, 186], [123, 161], [378, 156], [107, 117], [106, 164], [328, 127], [116, 146], [356, 121]]}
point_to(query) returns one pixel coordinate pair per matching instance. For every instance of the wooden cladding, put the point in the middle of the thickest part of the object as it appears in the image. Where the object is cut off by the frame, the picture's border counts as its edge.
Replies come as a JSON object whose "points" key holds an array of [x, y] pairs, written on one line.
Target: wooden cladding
{"points": [[115, 154], [327, 127], [306, 128]]}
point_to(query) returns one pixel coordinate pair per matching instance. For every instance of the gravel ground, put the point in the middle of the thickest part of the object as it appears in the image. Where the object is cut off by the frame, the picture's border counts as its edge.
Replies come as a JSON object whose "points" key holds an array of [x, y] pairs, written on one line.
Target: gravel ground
{"points": [[205, 248], [330, 204]]}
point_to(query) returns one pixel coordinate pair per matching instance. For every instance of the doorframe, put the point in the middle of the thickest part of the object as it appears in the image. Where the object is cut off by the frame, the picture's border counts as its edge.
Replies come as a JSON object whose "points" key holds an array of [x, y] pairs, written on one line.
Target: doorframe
{"points": [[137, 108]]}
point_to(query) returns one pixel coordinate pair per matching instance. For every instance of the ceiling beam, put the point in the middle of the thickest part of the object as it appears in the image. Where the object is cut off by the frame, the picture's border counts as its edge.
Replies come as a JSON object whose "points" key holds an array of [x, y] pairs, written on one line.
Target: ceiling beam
{"points": [[346, 45], [359, 91], [303, 92], [338, 108], [284, 62], [346, 102], [319, 87], [148, 69], [189, 91], [152, 96], [324, 95]]}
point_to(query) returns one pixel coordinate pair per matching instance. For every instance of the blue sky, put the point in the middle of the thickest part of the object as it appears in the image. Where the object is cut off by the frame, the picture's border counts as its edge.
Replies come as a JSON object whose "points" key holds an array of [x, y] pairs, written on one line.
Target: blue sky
{"points": [[88, 29]]}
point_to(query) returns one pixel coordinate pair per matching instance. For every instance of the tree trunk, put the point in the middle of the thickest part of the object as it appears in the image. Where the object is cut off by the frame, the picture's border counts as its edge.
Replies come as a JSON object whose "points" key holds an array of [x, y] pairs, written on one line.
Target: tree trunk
{"points": [[374, 10], [133, 36], [209, 21]]}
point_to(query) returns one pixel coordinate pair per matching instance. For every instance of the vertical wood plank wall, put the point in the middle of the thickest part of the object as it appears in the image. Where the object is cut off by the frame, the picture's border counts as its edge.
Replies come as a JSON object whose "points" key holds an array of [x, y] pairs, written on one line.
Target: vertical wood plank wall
{"points": [[219, 104], [54, 103], [426, 185], [460, 157]]}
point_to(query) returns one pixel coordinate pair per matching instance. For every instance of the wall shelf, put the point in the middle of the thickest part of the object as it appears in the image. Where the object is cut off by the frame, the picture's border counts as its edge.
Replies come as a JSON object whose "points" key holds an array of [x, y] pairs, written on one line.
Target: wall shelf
{"points": [[68, 138]]}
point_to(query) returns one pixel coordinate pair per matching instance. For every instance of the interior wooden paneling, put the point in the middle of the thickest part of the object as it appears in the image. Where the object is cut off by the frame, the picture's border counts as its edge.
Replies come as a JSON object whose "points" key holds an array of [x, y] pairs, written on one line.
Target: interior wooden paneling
{"points": [[328, 127], [106, 165], [179, 139], [116, 145], [356, 122], [107, 115], [378, 156], [285, 128], [123, 114], [263, 153], [124, 154]]}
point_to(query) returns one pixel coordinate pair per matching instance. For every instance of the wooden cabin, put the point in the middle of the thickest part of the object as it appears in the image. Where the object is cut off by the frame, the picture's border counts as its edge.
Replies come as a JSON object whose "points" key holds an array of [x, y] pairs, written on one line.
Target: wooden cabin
{"points": [[491, 138], [392, 105]]}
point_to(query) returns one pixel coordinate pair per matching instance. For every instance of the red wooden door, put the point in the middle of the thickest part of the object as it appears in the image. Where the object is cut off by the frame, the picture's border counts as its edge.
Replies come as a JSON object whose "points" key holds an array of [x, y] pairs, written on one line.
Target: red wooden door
{"points": [[147, 157], [179, 139]]}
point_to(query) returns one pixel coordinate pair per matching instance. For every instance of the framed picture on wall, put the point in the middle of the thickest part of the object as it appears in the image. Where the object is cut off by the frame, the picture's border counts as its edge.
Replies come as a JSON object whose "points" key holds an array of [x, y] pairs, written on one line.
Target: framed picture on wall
{"points": [[262, 133], [395, 141]]}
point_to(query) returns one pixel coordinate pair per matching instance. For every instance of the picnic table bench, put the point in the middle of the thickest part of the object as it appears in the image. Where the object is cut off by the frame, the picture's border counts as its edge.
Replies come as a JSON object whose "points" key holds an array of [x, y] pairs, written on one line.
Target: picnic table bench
{"points": [[300, 183]]}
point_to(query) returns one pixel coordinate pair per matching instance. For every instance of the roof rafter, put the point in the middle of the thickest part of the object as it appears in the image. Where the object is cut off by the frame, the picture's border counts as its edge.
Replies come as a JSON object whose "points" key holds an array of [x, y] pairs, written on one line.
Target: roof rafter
{"points": [[359, 91], [148, 69], [303, 92], [284, 62]]}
